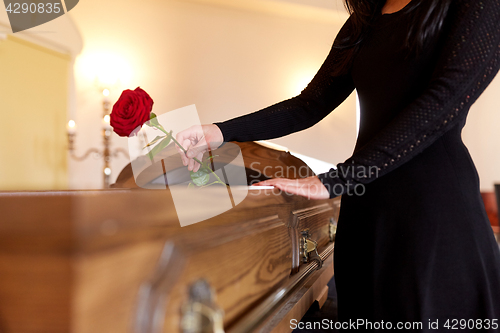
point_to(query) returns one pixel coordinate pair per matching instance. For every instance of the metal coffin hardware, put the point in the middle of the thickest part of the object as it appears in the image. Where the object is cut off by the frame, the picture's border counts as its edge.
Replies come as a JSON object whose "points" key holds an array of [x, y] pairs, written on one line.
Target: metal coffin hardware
{"points": [[200, 314], [333, 229], [310, 250], [311, 234]]}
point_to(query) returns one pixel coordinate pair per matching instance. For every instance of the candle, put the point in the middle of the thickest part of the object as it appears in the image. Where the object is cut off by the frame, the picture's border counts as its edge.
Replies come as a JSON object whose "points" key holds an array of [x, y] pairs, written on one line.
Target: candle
{"points": [[105, 92], [71, 127], [105, 122]]}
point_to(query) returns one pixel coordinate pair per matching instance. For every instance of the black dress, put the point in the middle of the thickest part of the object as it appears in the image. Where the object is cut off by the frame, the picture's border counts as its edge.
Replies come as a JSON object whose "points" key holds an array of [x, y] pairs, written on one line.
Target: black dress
{"points": [[413, 242]]}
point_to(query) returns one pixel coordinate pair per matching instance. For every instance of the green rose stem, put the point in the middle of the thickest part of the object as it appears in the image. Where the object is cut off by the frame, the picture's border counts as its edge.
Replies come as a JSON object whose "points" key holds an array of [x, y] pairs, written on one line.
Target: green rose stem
{"points": [[194, 158]]}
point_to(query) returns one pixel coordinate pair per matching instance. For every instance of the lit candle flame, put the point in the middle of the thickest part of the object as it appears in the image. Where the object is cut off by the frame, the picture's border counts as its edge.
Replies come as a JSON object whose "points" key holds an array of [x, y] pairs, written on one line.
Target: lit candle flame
{"points": [[71, 127], [105, 122]]}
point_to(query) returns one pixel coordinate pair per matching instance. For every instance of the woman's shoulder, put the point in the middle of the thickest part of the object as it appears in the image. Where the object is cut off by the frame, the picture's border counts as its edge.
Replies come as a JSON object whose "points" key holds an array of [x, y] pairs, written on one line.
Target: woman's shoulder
{"points": [[345, 31]]}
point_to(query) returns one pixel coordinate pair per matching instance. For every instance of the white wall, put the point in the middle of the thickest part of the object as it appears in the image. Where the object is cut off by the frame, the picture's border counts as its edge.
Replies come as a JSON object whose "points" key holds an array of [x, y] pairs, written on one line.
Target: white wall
{"points": [[482, 135], [225, 59]]}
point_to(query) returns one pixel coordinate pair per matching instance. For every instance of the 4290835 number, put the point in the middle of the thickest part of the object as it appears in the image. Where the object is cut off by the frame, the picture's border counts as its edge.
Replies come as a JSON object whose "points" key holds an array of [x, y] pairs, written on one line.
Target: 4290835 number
{"points": [[471, 324], [41, 8]]}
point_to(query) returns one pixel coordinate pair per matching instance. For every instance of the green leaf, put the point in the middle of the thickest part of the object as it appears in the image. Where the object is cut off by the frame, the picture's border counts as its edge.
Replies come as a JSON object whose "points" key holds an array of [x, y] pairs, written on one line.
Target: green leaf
{"points": [[153, 120], [159, 147], [200, 177], [190, 185], [209, 158], [154, 141], [206, 168]]}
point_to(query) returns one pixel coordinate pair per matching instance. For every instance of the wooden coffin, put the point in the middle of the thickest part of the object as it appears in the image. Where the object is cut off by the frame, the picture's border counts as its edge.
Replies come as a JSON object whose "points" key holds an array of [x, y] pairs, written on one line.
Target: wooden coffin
{"points": [[118, 261]]}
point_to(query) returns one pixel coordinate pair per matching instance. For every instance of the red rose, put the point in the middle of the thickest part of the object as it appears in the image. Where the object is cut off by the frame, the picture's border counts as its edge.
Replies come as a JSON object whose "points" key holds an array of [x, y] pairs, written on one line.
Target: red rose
{"points": [[131, 111]]}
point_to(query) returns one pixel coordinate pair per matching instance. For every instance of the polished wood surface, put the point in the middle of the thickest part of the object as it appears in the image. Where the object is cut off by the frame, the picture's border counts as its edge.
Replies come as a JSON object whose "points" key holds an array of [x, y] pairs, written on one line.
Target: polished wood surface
{"points": [[260, 163], [118, 260], [298, 302]]}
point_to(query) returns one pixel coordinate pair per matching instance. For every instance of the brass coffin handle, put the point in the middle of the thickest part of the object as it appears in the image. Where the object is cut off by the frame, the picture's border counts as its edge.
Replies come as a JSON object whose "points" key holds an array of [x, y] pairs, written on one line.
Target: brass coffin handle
{"points": [[200, 314], [310, 249], [333, 229]]}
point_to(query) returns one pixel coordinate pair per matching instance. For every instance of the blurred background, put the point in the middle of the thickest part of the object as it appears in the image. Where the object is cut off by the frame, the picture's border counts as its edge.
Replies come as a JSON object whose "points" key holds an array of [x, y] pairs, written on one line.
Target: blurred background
{"points": [[228, 57]]}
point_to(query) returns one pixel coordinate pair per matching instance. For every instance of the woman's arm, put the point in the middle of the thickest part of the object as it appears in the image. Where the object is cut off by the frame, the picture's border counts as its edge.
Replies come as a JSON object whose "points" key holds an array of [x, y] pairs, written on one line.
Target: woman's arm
{"points": [[469, 61], [323, 94]]}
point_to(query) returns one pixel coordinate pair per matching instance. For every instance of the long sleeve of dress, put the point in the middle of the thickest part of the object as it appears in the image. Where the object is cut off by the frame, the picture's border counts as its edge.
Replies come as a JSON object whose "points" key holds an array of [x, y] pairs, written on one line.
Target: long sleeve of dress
{"points": [[323, 94], [469, 61]]}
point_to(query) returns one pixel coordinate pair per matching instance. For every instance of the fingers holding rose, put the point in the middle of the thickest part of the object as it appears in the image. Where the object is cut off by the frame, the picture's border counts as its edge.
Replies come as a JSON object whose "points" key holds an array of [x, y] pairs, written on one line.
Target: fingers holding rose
{"points": [[197, 140]]}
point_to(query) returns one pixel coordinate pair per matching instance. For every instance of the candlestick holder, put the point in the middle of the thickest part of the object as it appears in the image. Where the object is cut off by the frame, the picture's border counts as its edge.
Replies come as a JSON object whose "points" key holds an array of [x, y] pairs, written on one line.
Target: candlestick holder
{"points": [[106, 153]]}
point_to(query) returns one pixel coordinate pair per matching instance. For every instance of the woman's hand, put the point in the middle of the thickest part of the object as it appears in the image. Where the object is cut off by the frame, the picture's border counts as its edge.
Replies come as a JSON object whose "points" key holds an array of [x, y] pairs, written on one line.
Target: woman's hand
{"points": [[310, 187], [197, 140]]}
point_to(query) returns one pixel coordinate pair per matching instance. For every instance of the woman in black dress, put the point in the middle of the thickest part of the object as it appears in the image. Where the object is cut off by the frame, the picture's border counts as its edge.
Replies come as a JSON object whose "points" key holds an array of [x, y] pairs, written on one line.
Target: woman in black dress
{"points": [[416, 245]]}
